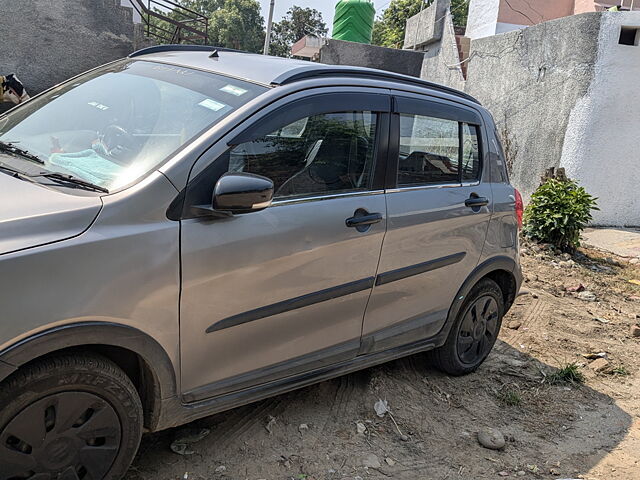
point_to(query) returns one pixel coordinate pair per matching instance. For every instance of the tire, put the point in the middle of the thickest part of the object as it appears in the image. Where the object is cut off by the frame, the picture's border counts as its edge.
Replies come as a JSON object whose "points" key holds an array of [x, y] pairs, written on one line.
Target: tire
{"points": [[472, 336], [74, 416]]}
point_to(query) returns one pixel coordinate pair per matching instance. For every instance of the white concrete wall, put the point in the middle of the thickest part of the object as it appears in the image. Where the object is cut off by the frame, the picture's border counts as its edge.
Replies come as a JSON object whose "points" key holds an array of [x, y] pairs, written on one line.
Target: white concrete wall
{"points": [[502, 27], [483, 18], [136, 15], [602, 147]]}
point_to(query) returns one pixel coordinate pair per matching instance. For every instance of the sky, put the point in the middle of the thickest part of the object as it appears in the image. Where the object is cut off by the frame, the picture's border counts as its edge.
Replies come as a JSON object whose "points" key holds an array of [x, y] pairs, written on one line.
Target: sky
{"points": [[326, 7]]}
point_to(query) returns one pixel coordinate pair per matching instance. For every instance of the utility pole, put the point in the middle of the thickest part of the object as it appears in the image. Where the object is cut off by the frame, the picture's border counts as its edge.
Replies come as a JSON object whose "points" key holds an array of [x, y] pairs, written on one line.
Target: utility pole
{"points": [[267, 40]]}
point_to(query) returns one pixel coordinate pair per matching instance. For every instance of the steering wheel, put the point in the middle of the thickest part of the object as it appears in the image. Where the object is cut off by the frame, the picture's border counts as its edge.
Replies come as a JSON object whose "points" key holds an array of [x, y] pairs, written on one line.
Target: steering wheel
{"points": [[119, 142]]}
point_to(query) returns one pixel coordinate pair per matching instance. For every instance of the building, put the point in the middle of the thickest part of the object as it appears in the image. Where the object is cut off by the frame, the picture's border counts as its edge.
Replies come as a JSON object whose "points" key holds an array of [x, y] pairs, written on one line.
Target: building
{"points": [[491, 17]]}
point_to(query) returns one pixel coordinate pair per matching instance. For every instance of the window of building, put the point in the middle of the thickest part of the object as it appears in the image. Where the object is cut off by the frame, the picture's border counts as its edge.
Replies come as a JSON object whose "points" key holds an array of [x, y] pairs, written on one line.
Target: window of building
{"points": [[629, 36], [436, 151], [321, 154]]}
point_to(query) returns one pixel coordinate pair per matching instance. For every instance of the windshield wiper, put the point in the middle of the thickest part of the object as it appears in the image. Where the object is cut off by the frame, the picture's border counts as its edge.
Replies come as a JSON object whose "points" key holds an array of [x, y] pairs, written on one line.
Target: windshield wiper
{"points": [[63, 177], [12, 148]]}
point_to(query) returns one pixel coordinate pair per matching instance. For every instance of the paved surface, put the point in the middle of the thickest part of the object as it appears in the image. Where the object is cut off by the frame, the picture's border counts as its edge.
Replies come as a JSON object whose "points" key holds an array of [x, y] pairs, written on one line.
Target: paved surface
{"points": [[621, 241]]}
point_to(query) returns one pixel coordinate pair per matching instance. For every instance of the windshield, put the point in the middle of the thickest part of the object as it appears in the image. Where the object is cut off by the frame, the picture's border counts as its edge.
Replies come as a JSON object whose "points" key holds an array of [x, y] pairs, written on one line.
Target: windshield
{"points": [[114, 125]]}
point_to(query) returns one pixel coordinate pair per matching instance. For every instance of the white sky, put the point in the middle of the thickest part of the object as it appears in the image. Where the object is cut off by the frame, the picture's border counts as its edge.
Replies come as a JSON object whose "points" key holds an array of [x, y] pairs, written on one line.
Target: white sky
{"points": [[327, 7]]}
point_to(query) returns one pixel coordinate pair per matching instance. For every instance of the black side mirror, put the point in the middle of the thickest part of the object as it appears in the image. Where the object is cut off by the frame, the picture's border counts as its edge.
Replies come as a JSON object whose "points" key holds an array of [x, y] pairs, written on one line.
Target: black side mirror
{"points": [[237, 193]]}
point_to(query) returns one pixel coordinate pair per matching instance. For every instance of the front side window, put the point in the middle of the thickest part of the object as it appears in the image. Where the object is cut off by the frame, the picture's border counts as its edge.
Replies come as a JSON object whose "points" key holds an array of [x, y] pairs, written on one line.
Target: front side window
{"points": [[114, 125], [317, 155], [436, 151]]}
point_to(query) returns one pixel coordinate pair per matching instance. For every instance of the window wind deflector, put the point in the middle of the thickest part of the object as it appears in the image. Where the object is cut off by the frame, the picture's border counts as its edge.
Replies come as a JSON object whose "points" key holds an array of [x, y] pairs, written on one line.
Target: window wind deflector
{"points": [[317, 105]]}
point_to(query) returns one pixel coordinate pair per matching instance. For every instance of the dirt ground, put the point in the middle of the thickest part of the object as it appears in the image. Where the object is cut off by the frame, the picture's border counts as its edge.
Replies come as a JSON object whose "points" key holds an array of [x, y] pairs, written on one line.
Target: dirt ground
{"points": [[553, 429]]}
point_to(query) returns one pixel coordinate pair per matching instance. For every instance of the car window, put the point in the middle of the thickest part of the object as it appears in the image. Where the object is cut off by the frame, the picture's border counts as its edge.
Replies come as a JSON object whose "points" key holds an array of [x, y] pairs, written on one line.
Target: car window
{"points": [[429, 150], [436, 150], [115, 124], [470, 153], [316, 155]]}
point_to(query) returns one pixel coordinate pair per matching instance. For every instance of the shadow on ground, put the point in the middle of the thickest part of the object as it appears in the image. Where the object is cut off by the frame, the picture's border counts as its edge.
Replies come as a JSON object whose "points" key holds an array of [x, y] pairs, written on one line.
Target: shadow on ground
{"points": [[552, 431]]}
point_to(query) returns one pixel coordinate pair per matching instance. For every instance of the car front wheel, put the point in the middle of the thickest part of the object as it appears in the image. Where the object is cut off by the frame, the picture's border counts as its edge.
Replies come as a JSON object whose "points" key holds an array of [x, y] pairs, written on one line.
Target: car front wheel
{"points": [[70, 417]]}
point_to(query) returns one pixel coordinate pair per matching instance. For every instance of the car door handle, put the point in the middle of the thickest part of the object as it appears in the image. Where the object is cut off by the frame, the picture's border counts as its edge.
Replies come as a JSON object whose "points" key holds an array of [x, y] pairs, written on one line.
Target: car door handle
{"points": [[363, 220], [474, 201]]}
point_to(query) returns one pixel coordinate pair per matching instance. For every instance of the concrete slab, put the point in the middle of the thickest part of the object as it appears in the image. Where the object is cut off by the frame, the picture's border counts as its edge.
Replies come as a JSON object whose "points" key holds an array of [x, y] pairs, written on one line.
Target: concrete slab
{"points": [[621, 241]]}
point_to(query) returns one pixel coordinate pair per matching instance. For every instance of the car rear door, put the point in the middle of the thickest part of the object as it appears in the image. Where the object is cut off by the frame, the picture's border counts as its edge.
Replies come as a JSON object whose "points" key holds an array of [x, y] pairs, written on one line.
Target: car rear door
{"points": [[438, 212], [283, 291]]}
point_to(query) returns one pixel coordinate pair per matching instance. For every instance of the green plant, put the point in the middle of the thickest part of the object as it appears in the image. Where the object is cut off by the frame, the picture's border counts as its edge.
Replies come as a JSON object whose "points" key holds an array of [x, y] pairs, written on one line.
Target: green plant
{"points": [[510, 397], [559, 210], [569, 373], [620, 370]]}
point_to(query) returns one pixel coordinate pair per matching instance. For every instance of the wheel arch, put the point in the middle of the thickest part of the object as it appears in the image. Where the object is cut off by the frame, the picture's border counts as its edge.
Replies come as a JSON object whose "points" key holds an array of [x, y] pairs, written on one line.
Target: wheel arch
{"points": [[503, 270], [140, 356]]}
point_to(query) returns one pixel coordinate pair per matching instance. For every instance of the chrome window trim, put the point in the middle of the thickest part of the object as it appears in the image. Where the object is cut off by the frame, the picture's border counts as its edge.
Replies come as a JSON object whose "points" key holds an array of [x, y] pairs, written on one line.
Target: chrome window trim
{"points": [[317, 198]]}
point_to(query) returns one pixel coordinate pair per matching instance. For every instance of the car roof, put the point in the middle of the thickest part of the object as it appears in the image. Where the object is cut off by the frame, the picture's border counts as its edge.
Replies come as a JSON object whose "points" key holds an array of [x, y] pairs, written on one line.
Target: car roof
{"points": [[272, 71]]}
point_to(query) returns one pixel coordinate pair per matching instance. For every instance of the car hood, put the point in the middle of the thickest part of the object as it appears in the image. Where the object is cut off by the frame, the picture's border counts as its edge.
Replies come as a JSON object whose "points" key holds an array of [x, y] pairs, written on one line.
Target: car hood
{"points": [[32, 215]]}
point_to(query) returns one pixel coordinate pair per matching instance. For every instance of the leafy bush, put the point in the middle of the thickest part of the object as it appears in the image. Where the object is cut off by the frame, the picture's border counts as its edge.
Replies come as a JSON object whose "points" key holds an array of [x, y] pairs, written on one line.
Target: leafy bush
{"points": [[559, 210]]}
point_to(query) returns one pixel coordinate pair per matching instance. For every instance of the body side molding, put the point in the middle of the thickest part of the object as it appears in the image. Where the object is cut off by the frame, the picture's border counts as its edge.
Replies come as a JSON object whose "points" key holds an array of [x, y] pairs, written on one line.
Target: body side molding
{"points": [[293, 304]]}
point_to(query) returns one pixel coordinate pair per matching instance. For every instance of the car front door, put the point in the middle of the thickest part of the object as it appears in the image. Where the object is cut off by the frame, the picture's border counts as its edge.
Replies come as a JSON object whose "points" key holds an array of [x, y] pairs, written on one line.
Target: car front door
{"points": [[283, 291], [438, 212]]}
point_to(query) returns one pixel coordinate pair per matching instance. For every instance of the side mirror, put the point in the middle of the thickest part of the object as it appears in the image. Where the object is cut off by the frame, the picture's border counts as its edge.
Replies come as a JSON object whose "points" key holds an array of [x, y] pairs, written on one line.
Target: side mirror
{"points": [[237, 193]]}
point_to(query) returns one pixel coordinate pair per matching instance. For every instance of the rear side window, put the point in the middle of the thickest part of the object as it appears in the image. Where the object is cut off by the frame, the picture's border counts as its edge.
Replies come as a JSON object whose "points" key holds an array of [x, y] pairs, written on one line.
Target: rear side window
{"points": [[436, 150]]}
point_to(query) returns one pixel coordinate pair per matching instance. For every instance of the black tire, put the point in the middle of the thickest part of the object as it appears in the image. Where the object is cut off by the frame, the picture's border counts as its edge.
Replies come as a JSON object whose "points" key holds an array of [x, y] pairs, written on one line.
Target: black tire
{"points": [[73, 416], [474, 331]]}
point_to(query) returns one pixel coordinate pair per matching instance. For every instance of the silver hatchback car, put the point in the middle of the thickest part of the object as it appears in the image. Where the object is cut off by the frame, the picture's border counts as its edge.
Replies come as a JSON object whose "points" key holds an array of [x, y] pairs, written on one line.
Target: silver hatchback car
{"points": [[192, 229]]}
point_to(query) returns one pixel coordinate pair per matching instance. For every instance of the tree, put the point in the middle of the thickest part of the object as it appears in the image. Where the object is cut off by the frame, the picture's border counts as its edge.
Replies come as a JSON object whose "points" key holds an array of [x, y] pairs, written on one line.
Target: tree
{"points": [[232, 23], [297, 23], [389, 29]]}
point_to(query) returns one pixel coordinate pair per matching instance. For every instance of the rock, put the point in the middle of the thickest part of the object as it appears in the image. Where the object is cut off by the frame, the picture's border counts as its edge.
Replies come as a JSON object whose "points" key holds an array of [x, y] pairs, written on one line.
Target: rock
{"points": [[491, 438], [521, 473], [599, 365], [220, 469], [565, 256], [575, 288], [634, 261], [514, 324], [371, 461], [303, 427], [587, 296], [635, 330], [390, 461], [601, 320], [566, 264], [404, 438], [361, 428], [503, 473], [512, 362]]}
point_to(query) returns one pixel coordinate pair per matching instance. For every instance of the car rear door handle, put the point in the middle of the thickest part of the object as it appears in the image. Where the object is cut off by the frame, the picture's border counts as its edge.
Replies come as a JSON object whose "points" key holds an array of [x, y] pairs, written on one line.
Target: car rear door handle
{"points": [[474, 201], [363, 220]]}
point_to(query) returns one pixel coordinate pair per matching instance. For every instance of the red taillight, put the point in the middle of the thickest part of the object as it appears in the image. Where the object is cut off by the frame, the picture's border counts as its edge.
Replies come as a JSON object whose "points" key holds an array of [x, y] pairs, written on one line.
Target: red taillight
{"points": [[519, 207]]}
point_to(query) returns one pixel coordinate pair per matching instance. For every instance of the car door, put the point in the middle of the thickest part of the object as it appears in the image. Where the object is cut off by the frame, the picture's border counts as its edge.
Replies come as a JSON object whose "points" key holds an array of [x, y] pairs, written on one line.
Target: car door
{"points": [[284, 290], [438, 211]]}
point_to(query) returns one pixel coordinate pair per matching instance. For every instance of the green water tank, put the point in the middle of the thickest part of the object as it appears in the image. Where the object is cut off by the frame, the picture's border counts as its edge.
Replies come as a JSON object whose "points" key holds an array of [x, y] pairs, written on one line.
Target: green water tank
{"points": [[354, 21]]}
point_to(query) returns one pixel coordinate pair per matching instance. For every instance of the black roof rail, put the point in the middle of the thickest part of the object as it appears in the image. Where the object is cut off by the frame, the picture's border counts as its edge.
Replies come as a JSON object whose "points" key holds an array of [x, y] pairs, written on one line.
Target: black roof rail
{"points": [[304, 73], [181, 48]]}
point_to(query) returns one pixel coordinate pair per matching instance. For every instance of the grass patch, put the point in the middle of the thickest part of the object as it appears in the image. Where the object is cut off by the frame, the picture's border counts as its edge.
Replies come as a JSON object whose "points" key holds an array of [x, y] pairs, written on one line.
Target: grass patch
{"points": [[620, 370], [569, 373], [510, 398]]}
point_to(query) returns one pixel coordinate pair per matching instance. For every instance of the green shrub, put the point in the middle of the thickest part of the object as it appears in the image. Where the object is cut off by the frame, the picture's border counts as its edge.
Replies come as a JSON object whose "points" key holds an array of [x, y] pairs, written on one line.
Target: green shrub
{"points": [[559, 210]]}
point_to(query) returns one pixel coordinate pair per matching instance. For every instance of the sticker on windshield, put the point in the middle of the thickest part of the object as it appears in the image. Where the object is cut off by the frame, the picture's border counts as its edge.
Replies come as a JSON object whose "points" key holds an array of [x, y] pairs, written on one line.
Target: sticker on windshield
{"points": [[99, 106], [212, 105], [233, 90]]}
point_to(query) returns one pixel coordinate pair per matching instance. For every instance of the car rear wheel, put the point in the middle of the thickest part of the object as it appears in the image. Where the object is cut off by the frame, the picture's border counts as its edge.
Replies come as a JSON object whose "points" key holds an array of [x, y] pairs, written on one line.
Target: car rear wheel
{"points": [[474, 332], [71, 417]]}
